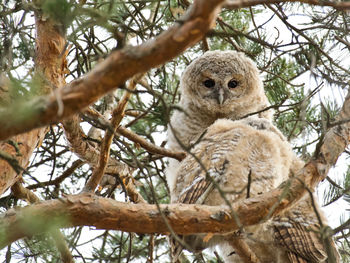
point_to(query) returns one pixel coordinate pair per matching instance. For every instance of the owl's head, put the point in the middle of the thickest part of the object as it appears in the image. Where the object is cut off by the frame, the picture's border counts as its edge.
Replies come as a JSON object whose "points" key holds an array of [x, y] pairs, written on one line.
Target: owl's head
{"points": [[225, 84]]}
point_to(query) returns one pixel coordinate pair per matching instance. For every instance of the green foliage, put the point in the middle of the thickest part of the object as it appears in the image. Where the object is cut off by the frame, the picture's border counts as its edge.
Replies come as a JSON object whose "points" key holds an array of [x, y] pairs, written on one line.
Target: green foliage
{"points": [[60, 11], [338, 189], [23, 51], [300, 62], [42, 245], [279, 75]]}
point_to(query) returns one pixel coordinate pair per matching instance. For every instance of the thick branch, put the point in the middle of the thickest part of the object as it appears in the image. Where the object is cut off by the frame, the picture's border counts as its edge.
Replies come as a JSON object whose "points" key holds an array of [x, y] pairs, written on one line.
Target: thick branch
{"points": [[335, 140], [105, 213], [112, 72]]}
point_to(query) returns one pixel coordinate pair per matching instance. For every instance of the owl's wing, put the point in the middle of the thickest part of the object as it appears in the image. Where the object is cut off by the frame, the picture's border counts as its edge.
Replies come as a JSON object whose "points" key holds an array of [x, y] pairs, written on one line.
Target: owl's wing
{"points": [[196, 193], [302, 242]]}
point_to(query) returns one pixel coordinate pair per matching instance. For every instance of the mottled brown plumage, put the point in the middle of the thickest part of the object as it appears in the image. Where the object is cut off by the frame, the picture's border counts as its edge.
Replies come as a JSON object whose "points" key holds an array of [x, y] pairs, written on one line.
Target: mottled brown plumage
{"points": [[243, 158], [298, 231], [238, 158]]}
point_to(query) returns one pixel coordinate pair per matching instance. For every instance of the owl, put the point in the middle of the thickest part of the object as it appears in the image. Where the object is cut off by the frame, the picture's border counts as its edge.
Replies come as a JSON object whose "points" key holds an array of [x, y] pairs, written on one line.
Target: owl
{"points": [[219, 84], [234, 156]]}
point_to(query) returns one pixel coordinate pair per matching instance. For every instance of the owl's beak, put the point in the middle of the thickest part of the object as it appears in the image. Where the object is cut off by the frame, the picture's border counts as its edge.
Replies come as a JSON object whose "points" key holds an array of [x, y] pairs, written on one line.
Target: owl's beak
{"points": [[221, 97]]}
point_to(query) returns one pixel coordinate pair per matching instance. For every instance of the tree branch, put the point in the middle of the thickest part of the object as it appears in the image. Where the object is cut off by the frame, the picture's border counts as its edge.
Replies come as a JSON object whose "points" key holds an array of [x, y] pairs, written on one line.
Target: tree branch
{"points": [[103, 213], [243, 250], [76, 164], [150, 147], [90, 210], [117, 116], [87, 151], [113, 71]]}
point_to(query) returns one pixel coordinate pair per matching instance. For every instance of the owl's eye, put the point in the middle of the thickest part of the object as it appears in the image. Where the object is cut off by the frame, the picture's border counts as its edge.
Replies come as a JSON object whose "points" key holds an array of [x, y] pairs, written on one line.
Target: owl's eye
{"points": [[209, 83], [232, 84]]}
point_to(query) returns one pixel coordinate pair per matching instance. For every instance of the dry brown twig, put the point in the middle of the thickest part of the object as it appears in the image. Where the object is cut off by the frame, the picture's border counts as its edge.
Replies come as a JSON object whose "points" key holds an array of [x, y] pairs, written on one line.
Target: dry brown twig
{"points": [[242, 249], [121, 130], [76, 164], [117, 116]]}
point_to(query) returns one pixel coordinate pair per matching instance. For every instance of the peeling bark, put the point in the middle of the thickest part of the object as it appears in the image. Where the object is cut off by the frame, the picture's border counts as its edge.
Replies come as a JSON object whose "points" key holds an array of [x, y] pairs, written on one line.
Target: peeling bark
{"points": [[50, 65]]}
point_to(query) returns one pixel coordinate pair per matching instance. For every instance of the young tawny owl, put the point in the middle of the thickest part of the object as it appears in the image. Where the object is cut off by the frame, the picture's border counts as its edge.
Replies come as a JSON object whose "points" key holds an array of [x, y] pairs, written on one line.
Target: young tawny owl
{"points": [[219, 84], [243, 158]]}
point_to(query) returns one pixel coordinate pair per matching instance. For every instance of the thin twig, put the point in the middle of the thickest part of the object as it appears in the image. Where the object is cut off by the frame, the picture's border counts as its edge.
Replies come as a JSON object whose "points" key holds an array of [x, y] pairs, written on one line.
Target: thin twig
{"points": [[76, 164], [117, 116], [150, 147]]}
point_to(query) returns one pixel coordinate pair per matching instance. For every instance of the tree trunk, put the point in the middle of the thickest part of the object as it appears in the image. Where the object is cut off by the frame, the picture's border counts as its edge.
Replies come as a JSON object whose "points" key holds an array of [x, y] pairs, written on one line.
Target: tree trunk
{"points": [[50, 67]]}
